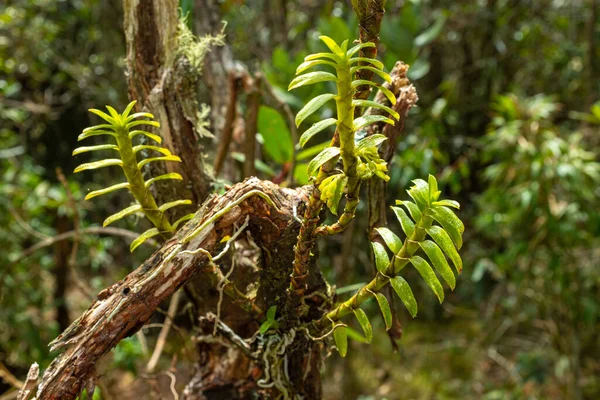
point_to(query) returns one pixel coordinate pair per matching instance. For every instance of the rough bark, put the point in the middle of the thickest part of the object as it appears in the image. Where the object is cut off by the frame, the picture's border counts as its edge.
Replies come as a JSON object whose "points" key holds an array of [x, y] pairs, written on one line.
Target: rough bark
{"points": [[123, 308], [164, 84]]}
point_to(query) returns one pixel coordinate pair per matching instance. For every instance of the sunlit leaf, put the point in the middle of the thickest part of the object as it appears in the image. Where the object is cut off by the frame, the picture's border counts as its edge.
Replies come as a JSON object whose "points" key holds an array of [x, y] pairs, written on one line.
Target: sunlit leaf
{"points": [[384, 306], [145, 161], [341, 340], [172, 175], [439, 262], [370, 141], [312, 63], [152, 136], [412, 208], [376, 63], [312, 106], [382, 261], [384, 75], [451, 224], [392, 241], [86, 149], [361, 82], [310, 78], [99, 164], [362, 319], [428, 276], [161, 150], [403, 290], [373, 104], [363, 121], [150, 233], [172, 204], [316, 128], [321, 158], [110, 189], [407, 225], [122, 214], [443, 240]]}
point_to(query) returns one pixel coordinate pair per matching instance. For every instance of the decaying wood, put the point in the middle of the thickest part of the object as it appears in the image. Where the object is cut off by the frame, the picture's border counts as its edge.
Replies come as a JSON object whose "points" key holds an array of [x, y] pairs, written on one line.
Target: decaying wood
{"points": [[123, 308]]}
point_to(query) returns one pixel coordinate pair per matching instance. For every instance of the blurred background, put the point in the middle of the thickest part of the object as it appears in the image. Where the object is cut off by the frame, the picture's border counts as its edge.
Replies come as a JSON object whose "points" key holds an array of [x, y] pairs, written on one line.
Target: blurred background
{"points": [[508, 121]]}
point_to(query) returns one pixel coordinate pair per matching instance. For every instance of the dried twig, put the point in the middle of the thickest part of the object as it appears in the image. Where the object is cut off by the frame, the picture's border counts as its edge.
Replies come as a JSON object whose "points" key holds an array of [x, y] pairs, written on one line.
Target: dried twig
{"points": [[164, 332]]}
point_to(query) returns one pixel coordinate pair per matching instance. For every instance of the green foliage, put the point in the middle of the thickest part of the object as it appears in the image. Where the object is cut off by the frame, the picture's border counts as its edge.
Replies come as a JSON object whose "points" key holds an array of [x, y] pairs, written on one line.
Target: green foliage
{"points": [[120, 128], [270, 322], [426, 205]]}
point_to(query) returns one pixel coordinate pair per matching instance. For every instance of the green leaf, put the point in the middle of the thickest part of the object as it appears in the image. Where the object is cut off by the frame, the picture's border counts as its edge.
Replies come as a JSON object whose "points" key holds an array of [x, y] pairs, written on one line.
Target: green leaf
{"points": [[363, 121], [428, 275], [384, 306], [121, 214], [87, 134], [114, 113], [310, 78], [407, 225], [447, 203], [341, 340], [451, 224], [271, 312], [144, 122], [412, 208], [321, 158], [333, 46], [86, 149], [403, 290], [419, 192], [391, 239], [275, 131], [373, 104], [316, 56], [316, 128], [312, 63], [384, 75], [439, 262], [434, 193], [182, 219], [104, 116], [376, 63], [370, 141], [443, 240], [432, 32], [172, 204], [98, 164], [138, 115], [332, 189], [264, 327], [362, 319], [172, 175], [358, 47], [312, 106], [109, 189], [145, 161], [382, 261], [128, 109], [143, 237], [161, 150], [152, 136], [390, 96]]}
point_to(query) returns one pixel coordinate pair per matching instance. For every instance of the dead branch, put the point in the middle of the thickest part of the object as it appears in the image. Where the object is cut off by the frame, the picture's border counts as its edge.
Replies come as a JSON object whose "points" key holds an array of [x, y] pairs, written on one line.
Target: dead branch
{"points": [[123, 308]]}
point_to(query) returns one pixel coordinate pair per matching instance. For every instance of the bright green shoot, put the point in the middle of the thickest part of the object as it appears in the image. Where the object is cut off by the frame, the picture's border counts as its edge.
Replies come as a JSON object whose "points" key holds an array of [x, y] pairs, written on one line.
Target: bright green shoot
{"points": [[123, 128]]}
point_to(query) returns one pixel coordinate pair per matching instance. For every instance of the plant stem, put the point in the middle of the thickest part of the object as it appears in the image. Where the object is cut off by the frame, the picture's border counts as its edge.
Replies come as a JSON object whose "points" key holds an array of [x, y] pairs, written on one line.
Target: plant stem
{"points": [[137, 186], [409, 248]]}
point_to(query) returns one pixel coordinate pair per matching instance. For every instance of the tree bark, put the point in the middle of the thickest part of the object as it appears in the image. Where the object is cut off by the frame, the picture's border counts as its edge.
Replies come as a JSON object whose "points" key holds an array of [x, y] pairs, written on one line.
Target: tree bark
{"points": [[164, 84], [123, 308]]}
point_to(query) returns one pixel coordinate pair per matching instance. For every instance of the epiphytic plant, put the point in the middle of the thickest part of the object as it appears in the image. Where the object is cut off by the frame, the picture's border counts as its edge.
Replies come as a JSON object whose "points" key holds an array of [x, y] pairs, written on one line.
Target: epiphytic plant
{"points": [[417, 224], [122, 127], [361, 159]]}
